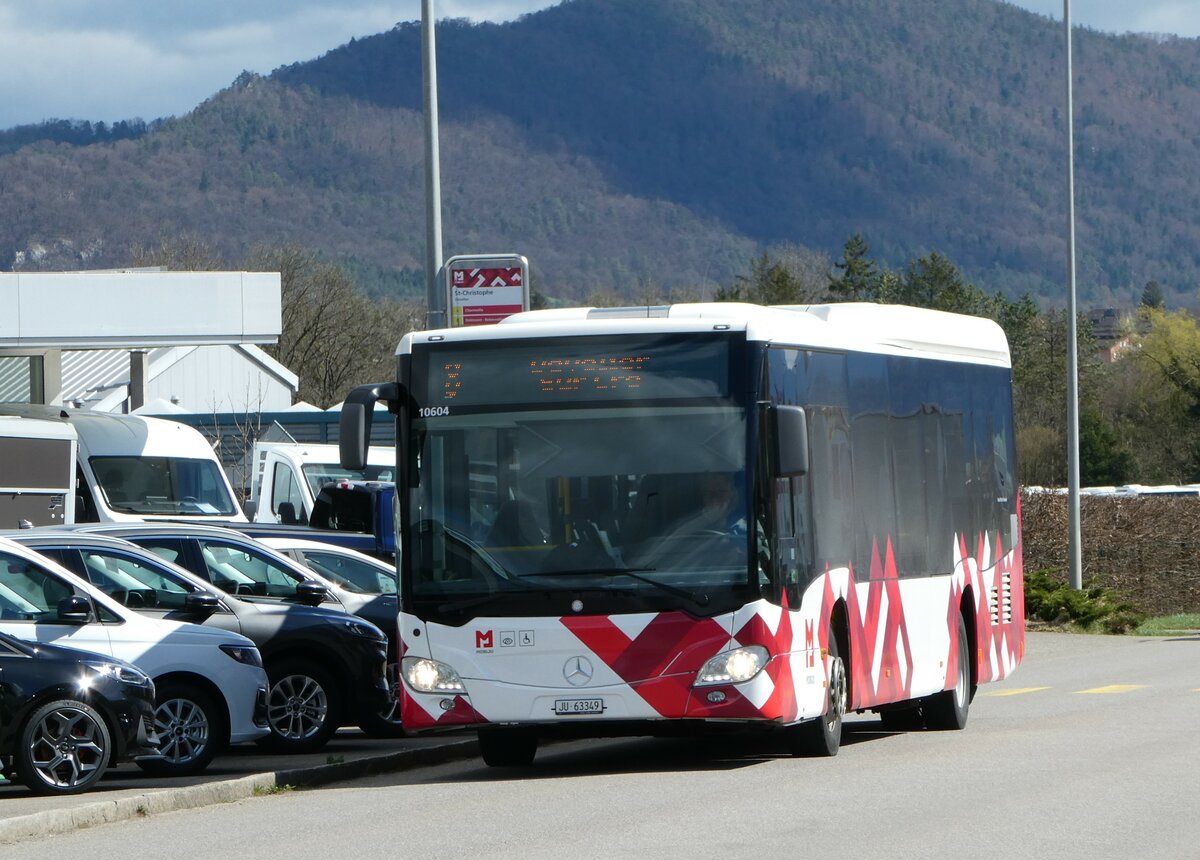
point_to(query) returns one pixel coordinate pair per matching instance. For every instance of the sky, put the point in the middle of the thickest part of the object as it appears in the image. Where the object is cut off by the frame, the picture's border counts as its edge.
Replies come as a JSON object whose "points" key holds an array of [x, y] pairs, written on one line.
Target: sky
{"points": [[130, 59]]}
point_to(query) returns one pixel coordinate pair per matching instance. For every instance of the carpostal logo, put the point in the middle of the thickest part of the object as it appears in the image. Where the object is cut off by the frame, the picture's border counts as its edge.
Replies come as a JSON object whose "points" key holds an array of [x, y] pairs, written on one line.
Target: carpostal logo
{"points": [[484, 641]]}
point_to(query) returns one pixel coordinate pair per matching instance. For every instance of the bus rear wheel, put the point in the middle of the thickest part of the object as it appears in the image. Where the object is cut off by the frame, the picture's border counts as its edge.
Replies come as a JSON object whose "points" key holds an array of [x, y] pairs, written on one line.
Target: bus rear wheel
{"points": [[948, 710], [507, 747], [823, 736]]}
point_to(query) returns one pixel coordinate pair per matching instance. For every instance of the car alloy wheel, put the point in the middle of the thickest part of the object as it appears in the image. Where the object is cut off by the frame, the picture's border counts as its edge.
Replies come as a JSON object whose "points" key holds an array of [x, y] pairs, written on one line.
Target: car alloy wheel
{"points": [[65, 748]]}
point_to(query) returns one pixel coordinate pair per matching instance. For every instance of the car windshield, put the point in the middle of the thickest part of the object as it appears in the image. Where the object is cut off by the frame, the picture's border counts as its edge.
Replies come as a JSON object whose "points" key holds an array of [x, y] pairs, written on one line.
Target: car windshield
{"points": [[522, 504], [163, 485], [27, 592], [134, 582], [360, 575]]}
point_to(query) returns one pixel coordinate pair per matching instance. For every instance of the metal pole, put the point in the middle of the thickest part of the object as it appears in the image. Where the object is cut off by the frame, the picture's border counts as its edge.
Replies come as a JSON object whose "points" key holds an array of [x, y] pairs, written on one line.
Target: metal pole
{"points": [[1075, 572], [435, 296]]}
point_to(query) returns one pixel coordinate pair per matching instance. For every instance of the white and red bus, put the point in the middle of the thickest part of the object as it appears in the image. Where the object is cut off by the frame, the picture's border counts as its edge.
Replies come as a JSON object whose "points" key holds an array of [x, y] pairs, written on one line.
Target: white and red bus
{"points": [[663, 519]]}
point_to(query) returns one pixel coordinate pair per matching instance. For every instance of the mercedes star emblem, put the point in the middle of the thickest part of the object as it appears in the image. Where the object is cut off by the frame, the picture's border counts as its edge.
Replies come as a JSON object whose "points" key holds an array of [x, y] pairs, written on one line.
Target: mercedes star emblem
{"points": [[578, 671]]}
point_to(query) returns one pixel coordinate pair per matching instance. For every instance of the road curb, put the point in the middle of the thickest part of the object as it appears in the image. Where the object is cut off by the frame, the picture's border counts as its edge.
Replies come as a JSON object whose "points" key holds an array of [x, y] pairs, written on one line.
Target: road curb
{"points": [[55, 821]]}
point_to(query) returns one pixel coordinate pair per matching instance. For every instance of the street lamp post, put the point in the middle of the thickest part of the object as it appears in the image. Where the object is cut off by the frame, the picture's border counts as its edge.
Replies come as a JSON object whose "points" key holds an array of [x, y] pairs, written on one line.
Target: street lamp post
{"points": [[1075, 564], [434, 294]]}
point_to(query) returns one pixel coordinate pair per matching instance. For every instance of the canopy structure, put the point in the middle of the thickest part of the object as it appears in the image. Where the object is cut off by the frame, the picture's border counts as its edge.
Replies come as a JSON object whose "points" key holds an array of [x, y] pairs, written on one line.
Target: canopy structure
{"points": [[44, 313]]}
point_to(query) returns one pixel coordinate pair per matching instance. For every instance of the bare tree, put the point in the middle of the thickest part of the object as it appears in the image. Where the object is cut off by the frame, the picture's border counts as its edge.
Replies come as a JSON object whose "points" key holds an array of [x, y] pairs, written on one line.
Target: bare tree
{"points": [[334, 338], [186, 252]]}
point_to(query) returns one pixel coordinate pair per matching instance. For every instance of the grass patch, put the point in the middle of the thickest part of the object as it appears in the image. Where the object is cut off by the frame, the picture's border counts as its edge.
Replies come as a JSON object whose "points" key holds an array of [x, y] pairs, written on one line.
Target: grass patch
{"points": [[267, 790], [1169, 625]]}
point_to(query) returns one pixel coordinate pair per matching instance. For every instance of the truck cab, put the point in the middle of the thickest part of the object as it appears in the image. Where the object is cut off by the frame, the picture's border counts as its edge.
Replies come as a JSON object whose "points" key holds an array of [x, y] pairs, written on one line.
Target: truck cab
{"points": [[288, 478]]}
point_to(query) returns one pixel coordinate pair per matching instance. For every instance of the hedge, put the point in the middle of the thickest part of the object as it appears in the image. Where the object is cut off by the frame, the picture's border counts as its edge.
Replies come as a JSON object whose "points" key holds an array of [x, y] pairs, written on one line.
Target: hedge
{"points": [[1146, 548]]}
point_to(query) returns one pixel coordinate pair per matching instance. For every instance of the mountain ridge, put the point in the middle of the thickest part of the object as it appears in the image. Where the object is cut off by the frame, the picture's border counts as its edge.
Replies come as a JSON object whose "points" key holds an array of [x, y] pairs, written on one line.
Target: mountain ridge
{"points": [[640, 146]]}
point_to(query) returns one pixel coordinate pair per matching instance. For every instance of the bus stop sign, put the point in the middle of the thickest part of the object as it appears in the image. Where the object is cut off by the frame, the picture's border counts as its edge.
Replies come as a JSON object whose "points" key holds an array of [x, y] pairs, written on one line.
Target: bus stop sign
{"points": [[486, 288]]}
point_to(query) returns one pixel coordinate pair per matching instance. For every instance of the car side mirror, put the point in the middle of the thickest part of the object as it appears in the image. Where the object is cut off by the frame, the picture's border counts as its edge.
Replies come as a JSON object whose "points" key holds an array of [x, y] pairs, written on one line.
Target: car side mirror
{"points": [[250, 509], [311, 593], [287, 514], [74, 610], [201, 602]]}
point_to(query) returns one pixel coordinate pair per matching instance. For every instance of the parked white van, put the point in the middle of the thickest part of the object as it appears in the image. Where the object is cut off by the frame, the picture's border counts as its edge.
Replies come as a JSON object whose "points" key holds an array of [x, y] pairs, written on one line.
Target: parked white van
{"points": [[210, 686], [131, 468]]}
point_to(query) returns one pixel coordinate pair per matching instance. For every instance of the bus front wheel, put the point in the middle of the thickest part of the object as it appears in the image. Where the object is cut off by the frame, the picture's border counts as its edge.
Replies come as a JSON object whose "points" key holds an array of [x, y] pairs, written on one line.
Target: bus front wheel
{"points": [[823, 736], [948, 710]]}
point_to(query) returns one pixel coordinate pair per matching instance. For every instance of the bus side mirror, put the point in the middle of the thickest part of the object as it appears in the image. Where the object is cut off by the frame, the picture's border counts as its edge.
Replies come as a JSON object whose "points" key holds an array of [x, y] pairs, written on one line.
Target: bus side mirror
{"points": [[791, 440], [354, 424]]}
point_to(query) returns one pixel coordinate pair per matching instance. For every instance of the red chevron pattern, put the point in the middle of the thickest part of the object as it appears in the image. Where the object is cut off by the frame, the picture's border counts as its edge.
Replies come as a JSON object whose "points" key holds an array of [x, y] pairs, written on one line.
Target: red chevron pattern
{"points": [[660, 662]]}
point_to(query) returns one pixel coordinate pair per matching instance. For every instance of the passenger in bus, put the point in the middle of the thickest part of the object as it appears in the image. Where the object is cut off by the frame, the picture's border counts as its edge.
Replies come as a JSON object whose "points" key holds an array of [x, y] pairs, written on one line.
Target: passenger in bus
{"points": [[719, 510], [674, 513]]}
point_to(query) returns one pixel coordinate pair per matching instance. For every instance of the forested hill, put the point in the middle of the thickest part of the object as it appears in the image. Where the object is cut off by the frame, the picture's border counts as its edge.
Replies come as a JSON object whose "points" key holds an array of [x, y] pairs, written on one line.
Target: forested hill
{"points": [[923, 124], [627, 143]]}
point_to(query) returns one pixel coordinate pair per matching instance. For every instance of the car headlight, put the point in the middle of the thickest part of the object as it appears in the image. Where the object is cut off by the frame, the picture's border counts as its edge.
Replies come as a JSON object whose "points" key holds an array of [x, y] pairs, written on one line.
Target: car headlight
{"points": [[733, 667], [122, 672], [430, 676], [246, 654], [363, 628]]}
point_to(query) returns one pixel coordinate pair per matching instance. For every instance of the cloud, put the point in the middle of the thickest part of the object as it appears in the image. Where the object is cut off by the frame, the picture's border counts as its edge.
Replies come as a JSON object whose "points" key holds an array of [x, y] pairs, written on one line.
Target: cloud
{"points": [[1180, 17], [121, 59]]}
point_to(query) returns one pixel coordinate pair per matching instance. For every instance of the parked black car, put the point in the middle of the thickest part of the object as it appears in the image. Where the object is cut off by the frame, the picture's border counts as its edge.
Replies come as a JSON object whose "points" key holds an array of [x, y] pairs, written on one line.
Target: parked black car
{"points": [[66, 715], [325, 668]]}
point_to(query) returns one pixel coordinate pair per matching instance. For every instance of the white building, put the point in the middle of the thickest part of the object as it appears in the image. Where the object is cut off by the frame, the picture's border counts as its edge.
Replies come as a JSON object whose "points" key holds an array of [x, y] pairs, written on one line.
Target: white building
{"points": [[117, 341], [236, 378]]}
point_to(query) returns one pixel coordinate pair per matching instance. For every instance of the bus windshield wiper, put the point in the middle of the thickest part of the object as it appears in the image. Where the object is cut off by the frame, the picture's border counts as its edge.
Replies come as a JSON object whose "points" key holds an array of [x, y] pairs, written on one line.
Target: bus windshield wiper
{"points": [[632, 573]]}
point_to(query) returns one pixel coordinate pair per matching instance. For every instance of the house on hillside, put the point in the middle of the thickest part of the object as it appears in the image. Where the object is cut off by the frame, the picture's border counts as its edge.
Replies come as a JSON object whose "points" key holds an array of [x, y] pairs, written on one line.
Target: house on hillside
{"points": [[1114, 330]]}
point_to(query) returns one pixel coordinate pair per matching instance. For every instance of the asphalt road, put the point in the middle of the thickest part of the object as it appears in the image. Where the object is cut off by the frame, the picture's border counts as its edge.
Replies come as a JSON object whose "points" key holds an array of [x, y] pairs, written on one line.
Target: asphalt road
{"points": [[1092, 749]]}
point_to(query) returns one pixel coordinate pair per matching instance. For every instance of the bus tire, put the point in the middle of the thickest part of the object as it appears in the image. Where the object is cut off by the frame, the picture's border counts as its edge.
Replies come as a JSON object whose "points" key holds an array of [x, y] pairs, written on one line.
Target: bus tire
{"points": [[948, 710], [508, 747], [822, 737]]}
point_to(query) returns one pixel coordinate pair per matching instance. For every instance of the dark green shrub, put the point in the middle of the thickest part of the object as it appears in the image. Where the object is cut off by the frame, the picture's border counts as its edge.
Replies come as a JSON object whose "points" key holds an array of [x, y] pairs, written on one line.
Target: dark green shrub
{"points": [[1049, 598]]}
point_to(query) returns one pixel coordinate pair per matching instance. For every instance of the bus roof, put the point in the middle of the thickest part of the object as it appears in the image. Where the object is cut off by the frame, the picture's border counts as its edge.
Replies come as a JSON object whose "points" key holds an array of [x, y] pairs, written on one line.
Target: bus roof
{"points": [[855, 326]]}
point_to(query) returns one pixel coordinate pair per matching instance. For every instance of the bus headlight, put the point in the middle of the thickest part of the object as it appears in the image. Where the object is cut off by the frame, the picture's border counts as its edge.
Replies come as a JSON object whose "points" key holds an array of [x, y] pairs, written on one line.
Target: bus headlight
{"points": [[430, 676], [733, 667]]}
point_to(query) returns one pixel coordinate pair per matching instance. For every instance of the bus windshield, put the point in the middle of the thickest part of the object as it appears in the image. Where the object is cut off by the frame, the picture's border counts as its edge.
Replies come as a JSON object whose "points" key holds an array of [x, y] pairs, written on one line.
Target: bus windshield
{"points": [[643, 508]]}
